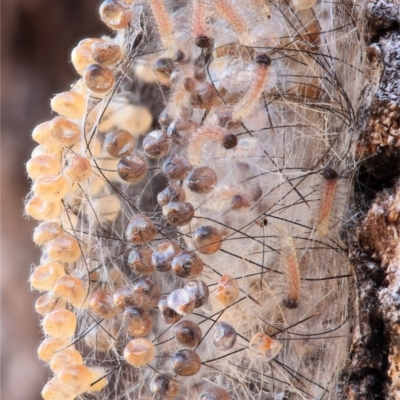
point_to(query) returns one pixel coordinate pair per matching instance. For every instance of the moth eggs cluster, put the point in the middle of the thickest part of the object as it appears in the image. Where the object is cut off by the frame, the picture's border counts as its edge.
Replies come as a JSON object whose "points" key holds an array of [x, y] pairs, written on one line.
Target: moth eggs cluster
{"points": [[218, 282]]}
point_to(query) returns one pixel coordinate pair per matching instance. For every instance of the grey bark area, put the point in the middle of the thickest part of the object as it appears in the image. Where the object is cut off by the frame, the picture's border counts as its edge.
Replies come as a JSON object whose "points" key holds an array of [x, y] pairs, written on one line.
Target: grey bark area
{"points": [[373, 367]]}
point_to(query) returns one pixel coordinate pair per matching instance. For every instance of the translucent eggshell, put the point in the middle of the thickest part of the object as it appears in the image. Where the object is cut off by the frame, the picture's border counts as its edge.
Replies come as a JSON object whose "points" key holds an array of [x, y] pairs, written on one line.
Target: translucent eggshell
{"points": [[181, 301], [186, 362], [164, 385], [99, 379], [139, 259], [45, 276], [41, 209], [172, 193], [69, 104], [64, 358], [132, 168], [146, 293], [42, 135], [46, 232], [156, 144], [266, 346], [178, 213], [137, 321], [139, 352], [64, 131], [224, 336], [76, 378], [82, 55], [49, 346], [60, 324], [49, 302], [115, 14], [187, 264], [98, 78], [55, 390], [140, 230], [207, 239], [72, 289], [228, 290], [78, 169], [102, 304], [42, 166], [163, 254], [64, 249], [51, 188], [107, 53], [119, 143], [187, 333]]}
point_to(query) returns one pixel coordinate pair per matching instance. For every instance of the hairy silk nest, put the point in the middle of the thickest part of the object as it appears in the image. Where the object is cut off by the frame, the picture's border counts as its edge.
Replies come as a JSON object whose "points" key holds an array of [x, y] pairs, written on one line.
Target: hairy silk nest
{"points": [[191, 194]]}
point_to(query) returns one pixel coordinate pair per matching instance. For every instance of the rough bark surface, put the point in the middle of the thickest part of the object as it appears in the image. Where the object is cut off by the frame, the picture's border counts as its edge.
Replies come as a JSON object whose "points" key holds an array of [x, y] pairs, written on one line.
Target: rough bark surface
{"points": [[372, 371]]}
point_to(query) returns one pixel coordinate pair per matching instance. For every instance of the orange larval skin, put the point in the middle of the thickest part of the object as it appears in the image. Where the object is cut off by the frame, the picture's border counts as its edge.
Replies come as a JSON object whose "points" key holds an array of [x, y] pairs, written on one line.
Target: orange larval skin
{"points": [[187, 197]]}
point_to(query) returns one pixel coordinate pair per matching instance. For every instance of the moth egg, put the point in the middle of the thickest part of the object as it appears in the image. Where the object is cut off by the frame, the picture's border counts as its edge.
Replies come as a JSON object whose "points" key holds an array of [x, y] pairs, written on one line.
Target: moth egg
{"points": [[132, 168], [98, 78], [69, 104], [49, 302], [181, 301], [201, 180], [228, 290], [224, 336], [146, 294], [42, 166], [139, 352], [176, 168], [41, 209], [164, 385], [140, 230], [187, 333], [102, 304], [64, 131], [60, 324], [55, 390], [200, 291], [163, 254], [115, 14], [156, 144], [82, 55], [49, 346], [170, 194], [76, 378], [119, 143], [107, 53], [207, 239], [64, 249], [46, 232], [139, 259], [266, 346], [45, 276], [187, 264], [42, 134], [186, 362], [51, 188], [169, 315], [78, 169], [64, 358], [123, 297], [137, 321], [178, 213]]}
